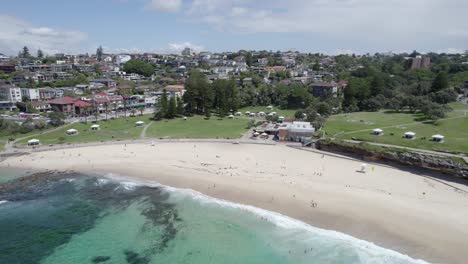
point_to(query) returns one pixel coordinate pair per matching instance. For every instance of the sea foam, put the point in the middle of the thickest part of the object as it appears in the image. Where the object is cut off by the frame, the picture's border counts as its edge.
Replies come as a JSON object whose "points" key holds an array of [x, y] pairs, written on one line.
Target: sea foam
{"points": [[368, 251]]}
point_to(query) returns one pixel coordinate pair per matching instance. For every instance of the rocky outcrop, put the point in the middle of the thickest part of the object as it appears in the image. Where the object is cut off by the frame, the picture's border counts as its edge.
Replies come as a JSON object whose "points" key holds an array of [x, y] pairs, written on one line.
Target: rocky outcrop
{"points": [[444, 164]]}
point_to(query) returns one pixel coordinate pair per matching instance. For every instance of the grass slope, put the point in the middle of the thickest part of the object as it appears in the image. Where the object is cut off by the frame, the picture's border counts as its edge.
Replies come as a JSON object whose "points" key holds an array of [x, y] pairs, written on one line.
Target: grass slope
{"points": [[348, 126], [198, 127], [117, 129]]}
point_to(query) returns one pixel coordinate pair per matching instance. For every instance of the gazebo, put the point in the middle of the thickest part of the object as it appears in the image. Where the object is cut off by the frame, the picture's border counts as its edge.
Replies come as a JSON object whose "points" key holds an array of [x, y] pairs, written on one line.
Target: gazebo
{"points": [[238, 113], [410, 135], [95, 127], [231, 116], [269, 107], [256, 134], [34, 142], [72, 131], [377, 132], [438, 138], [139, 123]]}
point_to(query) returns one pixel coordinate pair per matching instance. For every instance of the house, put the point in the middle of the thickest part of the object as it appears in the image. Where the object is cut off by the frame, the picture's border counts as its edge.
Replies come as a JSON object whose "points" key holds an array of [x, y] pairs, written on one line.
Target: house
{"points": [[262, 62], [7, 67], [275, 69], [81, 107], [46, 93], [41, 106], [9, 96], [109, 83], [31, 94], [324, 89], [420, 62], [65, 104], [175, 90]]}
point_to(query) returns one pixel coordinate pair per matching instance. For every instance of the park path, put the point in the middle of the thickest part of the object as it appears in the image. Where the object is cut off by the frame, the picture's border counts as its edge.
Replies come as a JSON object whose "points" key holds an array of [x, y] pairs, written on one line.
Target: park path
{"points": [[143, 132]]}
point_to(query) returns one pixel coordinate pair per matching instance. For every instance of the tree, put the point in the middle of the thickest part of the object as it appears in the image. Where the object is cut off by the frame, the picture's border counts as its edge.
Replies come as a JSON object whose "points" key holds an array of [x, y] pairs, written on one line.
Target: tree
{"points": [[299, 114], [141, 109], [444, 96], [133, 111], [139, 67], [106, 108], [40, 54], [433, 110], [25, 53], [440, 82], [56, 118], [199, 93], [114, 106], [171, 109], [99, 53], [163, 104], [180, 106], [323, 108]]}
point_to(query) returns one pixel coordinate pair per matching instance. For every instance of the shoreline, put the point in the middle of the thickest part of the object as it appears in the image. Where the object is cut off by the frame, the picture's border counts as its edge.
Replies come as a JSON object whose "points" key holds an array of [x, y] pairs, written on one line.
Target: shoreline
{"points": [[399, 210]]}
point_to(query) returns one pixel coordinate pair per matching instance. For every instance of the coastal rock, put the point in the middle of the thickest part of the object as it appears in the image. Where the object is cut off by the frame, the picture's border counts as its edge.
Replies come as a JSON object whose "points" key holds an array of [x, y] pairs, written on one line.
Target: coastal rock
{"points": [[442, 164]]}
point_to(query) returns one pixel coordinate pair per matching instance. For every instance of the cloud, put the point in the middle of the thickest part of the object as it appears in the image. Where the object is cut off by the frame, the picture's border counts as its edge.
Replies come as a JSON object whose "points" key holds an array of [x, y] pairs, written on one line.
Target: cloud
{"points": [[178, 47], [171, 48], [387, 24], [164, 5], [16, 33]]}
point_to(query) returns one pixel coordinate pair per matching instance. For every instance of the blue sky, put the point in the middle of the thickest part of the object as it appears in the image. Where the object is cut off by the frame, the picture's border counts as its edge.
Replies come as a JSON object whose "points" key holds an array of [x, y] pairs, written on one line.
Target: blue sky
{"points": [[167, 26]]}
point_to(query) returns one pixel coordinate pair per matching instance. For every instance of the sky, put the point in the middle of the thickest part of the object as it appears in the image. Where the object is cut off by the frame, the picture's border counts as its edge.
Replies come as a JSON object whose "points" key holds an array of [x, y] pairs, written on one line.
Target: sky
{"points": [[168, 26]]}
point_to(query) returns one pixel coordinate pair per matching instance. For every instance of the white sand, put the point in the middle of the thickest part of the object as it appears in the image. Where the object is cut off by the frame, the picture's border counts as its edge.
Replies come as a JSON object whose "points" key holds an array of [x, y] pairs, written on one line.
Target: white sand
{"points": [[385, 205]]}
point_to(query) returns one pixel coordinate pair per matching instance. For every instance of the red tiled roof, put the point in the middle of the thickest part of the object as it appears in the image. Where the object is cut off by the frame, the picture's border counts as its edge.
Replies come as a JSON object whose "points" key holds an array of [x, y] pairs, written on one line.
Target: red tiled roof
{"points": [[80, 103], [63, 101], [175, 87]]}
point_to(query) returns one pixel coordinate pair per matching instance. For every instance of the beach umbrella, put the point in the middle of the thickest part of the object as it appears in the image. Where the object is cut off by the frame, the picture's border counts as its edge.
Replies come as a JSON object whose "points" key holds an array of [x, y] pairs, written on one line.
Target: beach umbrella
{"points": [[363, 167]]}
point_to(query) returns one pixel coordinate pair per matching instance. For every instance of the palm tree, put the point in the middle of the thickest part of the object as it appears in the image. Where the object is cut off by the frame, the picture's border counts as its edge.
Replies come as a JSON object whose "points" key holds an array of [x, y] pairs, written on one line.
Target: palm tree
{"points": [[114, 105], [141, 109], [125, 107], [96, 115], [86, 113], [133, 111]]}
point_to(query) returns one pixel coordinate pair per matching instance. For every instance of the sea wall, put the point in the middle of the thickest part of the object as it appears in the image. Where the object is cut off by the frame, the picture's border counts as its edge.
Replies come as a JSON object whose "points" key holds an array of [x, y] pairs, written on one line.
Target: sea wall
{"points": [[444, 164]]}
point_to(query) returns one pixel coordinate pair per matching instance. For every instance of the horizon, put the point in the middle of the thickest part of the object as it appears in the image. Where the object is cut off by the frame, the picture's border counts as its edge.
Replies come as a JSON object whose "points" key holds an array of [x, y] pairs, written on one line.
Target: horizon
{"points": [[168, 26]]}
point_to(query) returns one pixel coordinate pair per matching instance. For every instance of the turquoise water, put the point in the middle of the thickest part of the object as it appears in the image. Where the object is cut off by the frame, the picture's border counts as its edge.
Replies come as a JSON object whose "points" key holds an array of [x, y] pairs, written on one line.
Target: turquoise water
{"points": [[74, 218]]}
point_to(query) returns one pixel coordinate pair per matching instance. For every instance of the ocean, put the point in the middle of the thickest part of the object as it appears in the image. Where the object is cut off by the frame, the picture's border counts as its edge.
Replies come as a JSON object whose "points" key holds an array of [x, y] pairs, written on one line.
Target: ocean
{"points": [[68, 217]]}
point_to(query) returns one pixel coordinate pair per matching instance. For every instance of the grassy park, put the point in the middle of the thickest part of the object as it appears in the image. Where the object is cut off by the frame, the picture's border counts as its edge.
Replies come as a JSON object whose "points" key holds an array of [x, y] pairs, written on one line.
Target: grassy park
{"points": [[117, 129], [360, 125], [198, 127]]}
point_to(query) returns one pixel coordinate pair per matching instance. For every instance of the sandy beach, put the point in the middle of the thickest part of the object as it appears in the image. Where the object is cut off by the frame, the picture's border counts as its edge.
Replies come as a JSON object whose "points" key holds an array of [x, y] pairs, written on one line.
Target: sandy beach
{"points": [[411, 212]]}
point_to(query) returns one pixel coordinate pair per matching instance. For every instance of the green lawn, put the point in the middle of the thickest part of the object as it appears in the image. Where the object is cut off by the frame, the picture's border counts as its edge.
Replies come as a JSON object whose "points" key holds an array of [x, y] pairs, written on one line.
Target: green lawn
{"points": [[2, 144], [118, 129], [454, 130], [288, 113], [198, 127]]}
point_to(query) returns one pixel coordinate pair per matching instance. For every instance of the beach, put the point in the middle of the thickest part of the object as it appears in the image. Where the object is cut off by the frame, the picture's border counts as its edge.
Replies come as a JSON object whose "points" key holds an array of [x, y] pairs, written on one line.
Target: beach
{"points": [[413, 212]]}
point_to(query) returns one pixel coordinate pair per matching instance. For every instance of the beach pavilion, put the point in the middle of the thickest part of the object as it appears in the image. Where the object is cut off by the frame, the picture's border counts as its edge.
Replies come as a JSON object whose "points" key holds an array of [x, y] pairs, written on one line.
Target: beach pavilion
{"points": [[34, 142], [410, 135], [72, 132], [231, 116], [139, 123], [95, 127], [438, 138], [377, 132]]}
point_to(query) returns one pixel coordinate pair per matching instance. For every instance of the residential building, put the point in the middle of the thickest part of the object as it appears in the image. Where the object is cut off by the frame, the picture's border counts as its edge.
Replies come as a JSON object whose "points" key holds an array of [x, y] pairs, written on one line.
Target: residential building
{"points": [[10, 93], [122, 58], [109, 83], [7, 67], [295, 131], [64, 104], [9, 96], [41, 106], [31, 94], [420, 62], [187, 52], [46, 93], [324, 89]]}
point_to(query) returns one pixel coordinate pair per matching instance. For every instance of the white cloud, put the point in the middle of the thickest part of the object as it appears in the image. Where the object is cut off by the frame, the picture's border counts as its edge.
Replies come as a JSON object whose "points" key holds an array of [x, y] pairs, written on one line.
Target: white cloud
{"points": [[171, 48], [16, 33], [178, 47], [383, 23], [164, 5]]}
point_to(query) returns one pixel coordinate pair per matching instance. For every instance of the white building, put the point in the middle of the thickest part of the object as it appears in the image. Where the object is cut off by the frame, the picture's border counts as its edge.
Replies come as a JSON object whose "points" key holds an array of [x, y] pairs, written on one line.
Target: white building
{"points": [[12, 94], [31, 94]]}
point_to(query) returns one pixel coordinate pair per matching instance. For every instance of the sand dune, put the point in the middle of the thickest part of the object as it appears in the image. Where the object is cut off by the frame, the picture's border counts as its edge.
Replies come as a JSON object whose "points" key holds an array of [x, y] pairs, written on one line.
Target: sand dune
{"points": [[409, 212]]}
